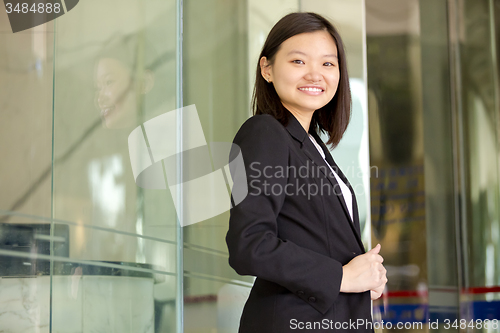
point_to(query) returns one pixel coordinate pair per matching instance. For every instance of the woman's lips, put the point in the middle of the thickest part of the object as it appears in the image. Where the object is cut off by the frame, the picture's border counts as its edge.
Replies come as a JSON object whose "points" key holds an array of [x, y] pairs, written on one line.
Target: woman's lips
{"points": [[105, 111]]}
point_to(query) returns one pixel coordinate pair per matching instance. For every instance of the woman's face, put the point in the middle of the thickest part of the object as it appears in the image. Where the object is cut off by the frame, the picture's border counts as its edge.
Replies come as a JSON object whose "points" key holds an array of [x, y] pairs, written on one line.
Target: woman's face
{"points": [[305, 72], [115, 93]]}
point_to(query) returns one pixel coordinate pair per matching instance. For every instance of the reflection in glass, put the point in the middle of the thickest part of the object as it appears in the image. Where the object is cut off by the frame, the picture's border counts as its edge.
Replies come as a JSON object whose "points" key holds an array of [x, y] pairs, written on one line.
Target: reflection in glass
{"points": [[121, 81], [113, 73], [398, 208], [479, 131]]}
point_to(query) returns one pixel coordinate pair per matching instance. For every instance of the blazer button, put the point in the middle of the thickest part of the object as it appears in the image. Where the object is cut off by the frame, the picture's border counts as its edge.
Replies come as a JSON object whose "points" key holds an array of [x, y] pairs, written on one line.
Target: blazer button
{"points": [[312, 299], [300, 293]]}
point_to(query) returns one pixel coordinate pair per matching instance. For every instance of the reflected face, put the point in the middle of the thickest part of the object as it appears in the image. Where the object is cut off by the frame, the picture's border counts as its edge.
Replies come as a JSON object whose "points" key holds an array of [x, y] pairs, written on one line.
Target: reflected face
{"points": [[305, 72], [115, 95]]}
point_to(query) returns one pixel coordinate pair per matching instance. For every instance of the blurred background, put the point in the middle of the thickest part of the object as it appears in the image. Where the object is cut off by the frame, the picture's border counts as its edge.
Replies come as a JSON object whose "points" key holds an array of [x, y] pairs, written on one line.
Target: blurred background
{"points": [[84, 249]]}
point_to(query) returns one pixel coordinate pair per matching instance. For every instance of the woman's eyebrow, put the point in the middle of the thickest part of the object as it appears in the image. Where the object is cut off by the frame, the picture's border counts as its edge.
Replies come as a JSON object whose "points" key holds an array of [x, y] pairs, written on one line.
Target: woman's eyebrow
{"points": [[304, 54], [297, 51]]}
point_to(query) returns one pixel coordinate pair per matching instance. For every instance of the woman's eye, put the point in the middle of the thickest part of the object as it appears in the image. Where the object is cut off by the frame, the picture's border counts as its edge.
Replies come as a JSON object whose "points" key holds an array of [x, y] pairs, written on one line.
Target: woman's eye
{"points": [[298, 61], [329, 64]]}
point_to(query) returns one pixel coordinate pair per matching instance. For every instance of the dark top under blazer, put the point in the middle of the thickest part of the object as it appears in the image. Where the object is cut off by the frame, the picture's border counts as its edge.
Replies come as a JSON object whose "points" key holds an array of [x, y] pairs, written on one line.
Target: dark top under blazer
{"points": [[295, 243]]}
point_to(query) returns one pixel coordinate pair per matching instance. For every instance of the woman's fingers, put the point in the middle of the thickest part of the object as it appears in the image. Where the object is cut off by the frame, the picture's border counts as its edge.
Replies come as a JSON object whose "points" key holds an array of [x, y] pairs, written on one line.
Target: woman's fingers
{"points": [[374, 295], [375, 250], [364, 272], [377, 292]]}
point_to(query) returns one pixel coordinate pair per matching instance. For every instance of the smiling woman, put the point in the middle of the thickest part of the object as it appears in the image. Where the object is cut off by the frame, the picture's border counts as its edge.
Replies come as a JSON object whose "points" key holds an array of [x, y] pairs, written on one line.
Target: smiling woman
{"points": [[304, 248]]}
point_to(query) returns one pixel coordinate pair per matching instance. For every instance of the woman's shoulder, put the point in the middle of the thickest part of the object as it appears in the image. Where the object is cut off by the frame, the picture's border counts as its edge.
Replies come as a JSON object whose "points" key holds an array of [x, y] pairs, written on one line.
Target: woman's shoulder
{"points": [[263, 125], [263, 138]]}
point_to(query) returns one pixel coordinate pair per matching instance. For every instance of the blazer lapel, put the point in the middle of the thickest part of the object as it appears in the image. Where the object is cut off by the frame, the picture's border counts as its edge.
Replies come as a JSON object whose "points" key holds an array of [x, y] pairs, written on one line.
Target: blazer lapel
{"points": [[330, 160], [298, 132], [354, 224]]}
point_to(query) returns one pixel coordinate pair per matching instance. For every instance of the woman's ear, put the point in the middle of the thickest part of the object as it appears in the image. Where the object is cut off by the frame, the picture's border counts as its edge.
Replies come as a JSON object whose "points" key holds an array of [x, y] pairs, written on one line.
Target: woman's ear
{"points": [[265, 69]]}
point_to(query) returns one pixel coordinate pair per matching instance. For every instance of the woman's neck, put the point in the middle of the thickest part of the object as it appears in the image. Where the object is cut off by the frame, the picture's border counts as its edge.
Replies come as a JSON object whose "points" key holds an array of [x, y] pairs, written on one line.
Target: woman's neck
{"points": [[303, 118]]}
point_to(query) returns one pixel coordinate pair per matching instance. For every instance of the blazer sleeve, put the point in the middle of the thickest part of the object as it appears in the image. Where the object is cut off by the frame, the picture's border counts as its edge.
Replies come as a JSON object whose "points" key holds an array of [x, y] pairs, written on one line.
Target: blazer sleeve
{"points": [[253, 244]]}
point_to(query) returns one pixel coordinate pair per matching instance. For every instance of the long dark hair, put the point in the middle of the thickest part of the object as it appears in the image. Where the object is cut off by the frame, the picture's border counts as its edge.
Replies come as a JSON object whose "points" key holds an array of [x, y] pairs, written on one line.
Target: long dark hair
{"points": [[334, 117]]}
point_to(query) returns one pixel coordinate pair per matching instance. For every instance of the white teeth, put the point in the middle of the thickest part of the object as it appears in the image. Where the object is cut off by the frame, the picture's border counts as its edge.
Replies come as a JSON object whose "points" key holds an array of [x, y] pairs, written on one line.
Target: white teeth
{"points": [[310, 89], [106, 111]]}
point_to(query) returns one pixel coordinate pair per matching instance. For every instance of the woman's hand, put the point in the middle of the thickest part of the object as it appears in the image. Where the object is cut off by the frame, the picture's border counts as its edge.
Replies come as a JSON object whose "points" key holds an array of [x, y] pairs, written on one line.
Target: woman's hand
{"points": [[365, 272], [375, 294]]}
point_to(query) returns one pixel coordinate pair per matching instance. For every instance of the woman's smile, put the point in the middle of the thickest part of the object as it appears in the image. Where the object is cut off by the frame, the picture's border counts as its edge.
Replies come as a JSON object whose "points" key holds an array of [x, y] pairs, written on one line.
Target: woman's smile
{"points": [[312, 90]]}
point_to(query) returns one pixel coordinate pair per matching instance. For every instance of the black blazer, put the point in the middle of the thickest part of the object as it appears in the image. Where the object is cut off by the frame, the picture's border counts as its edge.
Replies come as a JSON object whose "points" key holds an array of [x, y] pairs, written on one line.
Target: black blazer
{"points": [[294, 233]]}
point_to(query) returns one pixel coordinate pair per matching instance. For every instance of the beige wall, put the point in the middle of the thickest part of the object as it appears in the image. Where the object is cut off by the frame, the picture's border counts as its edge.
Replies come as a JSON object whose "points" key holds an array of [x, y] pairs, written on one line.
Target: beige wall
{"points": [[26, 60]]}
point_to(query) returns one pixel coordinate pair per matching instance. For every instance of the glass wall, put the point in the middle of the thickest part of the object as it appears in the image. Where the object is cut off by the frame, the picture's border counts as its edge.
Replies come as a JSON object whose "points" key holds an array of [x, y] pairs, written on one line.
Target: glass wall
{"points": [[96, 107], [26, 75], [84, 246], [477, 122], [433, 101], [110, 112], [112, 74], [397, 157], [215, 79], [440, 168]]}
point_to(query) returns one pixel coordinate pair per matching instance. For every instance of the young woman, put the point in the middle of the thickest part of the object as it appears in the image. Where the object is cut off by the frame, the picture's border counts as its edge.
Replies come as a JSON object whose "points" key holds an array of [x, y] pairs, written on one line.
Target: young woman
{"points": [[297, 230]]}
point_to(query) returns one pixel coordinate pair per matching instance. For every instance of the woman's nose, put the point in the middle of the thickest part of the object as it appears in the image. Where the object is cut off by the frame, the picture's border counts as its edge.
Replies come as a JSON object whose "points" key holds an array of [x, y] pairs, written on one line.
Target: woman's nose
{"points": [[102, 95], [313, 75]]}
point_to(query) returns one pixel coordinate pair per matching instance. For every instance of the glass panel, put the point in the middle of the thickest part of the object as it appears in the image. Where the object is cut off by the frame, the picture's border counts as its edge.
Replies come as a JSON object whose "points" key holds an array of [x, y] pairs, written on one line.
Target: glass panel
{"points": [[479, 107], [215, 80], [413, 213], [115, 69], [439, 162], [26, 67], [398, 198]]}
